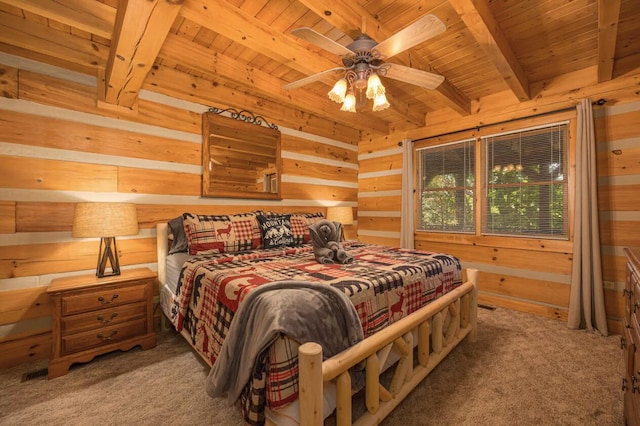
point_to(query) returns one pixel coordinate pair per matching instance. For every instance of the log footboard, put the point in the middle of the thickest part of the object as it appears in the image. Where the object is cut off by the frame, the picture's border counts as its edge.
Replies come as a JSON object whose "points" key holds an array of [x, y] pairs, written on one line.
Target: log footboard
{"points": [[439, 327]]}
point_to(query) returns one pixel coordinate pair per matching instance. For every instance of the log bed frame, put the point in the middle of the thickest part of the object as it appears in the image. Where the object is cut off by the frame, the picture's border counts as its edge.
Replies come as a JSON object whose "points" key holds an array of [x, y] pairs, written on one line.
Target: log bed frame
{"points": [[439, 327]]}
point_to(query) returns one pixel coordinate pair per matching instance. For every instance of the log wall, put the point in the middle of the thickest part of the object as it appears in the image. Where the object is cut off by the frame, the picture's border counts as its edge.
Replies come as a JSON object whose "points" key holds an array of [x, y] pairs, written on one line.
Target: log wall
{"points": [[523, 274], [58, 148]]}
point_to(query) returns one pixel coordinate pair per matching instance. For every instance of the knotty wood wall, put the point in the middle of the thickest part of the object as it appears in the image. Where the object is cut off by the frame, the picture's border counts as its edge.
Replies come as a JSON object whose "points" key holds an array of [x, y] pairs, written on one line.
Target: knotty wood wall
{"points": [[523, 274], [57, 148]]}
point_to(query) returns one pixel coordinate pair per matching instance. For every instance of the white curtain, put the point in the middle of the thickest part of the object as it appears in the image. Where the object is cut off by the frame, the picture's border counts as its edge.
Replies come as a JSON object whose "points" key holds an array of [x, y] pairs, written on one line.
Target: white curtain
{"points": [[406, 209], [586, 303]]}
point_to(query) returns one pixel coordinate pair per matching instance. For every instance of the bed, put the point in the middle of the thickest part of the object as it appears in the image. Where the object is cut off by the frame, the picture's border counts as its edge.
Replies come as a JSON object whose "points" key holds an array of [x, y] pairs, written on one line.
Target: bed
{"points": [[409, 303]]}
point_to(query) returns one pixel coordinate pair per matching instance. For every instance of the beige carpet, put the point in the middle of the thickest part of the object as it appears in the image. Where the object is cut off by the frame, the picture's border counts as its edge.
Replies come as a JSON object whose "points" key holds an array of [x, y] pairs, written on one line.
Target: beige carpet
{"points": [[523, 370]]}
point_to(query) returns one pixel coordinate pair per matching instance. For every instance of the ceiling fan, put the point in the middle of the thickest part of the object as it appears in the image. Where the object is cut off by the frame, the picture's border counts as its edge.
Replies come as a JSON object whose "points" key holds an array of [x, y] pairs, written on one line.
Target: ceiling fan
{"points": [[364, 61]]}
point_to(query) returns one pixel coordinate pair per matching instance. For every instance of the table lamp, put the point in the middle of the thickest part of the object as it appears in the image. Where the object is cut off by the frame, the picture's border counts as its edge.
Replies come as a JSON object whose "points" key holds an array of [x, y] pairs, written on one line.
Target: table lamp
{"points": [[105, 221], [342, 214]]}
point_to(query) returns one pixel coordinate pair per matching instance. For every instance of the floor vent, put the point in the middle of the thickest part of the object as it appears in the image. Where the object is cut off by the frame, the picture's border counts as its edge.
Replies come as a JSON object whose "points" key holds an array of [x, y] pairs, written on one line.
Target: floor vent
{"points": [[488, 307], [34, 375]]}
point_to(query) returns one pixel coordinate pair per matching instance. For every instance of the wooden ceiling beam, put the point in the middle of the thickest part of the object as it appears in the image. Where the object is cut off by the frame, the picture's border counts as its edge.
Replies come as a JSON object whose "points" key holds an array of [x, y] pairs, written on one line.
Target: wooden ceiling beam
{"points": [[349, 17], [139, 32], [608, 16], [91, 16], [40, 38], [197, 57], [485, 29], [242, 28]]}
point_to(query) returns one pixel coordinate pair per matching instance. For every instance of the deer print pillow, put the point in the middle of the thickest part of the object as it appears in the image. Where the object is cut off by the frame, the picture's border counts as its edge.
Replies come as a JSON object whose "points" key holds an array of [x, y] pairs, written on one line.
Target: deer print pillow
{"points": [[221, 233]]}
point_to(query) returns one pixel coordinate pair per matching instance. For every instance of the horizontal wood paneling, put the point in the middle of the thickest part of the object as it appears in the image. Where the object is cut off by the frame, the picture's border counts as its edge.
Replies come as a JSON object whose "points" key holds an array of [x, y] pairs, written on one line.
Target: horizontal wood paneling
{"points": [[620, 233], [7, 217], [317, 149], [314, 192], [383, 241], [39, 259], [382, 163], [388, 224], [18, 128], [526, 288], [56, 143], [618, 197], [532, 275], [44, 217], [619, 162], [555, 263], [383, 183], [379, 203], [79, 97], [8, 82], [33, 173], [524, 306], [20, 305], [143, 181], [320, 171]]}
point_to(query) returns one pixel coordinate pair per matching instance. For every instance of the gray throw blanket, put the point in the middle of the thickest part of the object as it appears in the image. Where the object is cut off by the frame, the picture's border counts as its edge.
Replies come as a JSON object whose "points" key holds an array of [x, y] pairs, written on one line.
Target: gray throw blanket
{"points": [[325, 239], [304, 311]]}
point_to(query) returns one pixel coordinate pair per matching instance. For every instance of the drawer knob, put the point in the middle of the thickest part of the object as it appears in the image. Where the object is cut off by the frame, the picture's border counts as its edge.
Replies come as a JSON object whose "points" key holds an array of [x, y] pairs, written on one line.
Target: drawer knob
{"points": [[107, 321], [104, 338], [106, 302]]}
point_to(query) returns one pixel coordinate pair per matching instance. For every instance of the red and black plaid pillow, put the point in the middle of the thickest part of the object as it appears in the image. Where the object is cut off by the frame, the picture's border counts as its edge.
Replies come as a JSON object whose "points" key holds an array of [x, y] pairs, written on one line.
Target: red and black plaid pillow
{"points": [[221, 233]]}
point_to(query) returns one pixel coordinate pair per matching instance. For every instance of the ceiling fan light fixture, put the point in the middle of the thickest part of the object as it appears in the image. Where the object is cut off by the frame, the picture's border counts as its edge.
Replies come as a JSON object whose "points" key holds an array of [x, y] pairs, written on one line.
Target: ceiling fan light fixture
{"points": [[380, 102], [349, 104], [338, 92], [374, 86]]}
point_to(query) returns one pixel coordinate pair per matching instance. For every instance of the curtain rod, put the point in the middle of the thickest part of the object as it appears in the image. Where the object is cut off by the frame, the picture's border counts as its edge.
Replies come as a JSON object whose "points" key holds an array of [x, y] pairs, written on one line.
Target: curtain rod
{"points": [[598, 102]]}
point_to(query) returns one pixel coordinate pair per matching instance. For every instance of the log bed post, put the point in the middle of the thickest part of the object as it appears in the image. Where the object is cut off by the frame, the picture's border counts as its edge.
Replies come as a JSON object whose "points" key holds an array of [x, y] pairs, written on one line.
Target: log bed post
{"points": [[310, 389], [462, 305]]}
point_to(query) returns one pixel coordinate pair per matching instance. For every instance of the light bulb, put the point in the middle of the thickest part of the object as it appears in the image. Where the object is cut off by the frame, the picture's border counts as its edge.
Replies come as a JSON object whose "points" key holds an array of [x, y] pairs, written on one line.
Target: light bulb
{"points": [[374, 86], [349, 103], [339, 90], [380, 102]]}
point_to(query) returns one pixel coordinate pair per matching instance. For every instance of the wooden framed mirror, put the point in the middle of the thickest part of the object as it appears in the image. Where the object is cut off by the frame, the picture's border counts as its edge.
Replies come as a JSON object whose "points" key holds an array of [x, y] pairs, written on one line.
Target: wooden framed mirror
{"points": [[240, 157]]}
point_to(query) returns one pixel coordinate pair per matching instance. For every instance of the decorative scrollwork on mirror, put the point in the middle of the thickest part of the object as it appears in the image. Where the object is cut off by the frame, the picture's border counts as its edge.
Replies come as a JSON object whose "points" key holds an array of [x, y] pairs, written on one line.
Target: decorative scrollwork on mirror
{"points": [[240, 156]]}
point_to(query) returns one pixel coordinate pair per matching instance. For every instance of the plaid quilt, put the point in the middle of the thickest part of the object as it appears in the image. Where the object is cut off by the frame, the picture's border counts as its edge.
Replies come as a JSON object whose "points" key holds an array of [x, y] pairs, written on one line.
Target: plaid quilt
{"points": [[385, 284]]}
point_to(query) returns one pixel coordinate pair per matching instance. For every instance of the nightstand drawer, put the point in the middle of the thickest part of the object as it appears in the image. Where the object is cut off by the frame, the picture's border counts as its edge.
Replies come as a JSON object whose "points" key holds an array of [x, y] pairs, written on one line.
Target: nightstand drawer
{"points": [[103, 336], [103, 318], [103, 298]]}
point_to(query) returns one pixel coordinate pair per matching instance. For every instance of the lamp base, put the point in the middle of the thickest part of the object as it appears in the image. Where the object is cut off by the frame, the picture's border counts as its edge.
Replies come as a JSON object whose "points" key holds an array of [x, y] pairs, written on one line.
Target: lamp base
{"points": [[108, 253]]}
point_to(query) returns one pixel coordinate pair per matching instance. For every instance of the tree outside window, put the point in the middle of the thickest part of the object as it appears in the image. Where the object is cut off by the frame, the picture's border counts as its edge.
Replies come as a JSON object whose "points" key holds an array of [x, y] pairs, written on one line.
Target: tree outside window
{"points": [[524, 187]]}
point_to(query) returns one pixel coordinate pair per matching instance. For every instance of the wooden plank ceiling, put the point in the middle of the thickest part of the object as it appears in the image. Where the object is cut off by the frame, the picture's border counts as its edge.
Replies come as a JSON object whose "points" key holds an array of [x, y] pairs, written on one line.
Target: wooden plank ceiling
{"points": [[240, 53]]}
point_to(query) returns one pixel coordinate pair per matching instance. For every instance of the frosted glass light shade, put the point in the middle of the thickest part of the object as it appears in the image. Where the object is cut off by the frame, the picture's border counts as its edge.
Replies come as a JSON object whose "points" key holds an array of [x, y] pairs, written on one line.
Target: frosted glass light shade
{"points": [[380, 102], [349, 103], [374, 86], [337, 94]]}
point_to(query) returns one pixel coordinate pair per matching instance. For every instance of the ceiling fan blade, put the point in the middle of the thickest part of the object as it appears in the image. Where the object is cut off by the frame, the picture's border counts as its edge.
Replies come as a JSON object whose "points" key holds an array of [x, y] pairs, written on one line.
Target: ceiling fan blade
{"points": [[311, 78], [421, 30], [322, 41], [413, 76]]}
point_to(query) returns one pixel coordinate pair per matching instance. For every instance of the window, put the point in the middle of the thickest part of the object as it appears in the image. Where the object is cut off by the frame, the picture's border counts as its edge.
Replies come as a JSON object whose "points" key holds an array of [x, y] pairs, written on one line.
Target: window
{"points": [[447, 187], [522, 184], [526, 183]]}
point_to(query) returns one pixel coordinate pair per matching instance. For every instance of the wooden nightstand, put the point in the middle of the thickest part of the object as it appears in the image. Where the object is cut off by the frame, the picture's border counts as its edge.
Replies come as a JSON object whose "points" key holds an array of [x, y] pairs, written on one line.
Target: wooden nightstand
{"points": [[93, 316]]}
